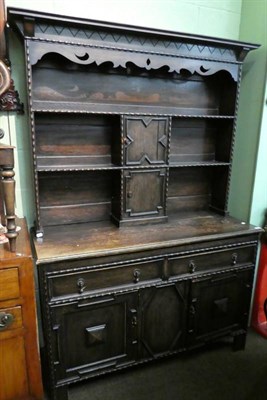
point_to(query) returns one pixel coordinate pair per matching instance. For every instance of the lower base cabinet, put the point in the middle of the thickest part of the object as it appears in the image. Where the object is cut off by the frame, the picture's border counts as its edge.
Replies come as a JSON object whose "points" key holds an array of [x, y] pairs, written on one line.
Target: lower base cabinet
{"points": [[218, 304], [106, 313]]}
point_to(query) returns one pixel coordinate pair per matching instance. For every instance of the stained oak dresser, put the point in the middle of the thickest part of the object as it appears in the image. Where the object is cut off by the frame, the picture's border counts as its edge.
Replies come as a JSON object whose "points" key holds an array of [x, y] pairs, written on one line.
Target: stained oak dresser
{"points": [[20, 367], [132, 145]]}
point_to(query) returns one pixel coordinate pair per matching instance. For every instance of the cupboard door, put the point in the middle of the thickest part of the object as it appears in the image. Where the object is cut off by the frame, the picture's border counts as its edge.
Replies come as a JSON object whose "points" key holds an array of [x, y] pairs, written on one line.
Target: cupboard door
{"points": [[219, 304], [163, 319], [145, 140], [93, 336], [144, 193]]}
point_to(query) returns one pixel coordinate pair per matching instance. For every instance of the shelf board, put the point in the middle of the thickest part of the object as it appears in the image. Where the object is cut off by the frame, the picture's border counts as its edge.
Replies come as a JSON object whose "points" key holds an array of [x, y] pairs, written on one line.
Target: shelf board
{"points": [[111, 167], [73, 168], [43, 106], [199, 164]]}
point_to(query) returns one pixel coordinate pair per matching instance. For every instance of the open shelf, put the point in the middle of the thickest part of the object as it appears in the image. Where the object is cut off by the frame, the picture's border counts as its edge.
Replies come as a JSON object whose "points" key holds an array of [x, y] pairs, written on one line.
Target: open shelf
{"points": [[196, 188], [200, 141], [75, 197], [154, 91], [67, 141]]}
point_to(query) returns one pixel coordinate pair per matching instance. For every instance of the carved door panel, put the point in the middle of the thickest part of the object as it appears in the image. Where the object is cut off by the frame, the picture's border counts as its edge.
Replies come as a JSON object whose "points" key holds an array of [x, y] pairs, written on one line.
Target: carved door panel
{"points": [[93, 336], [163, 319], [219, 303], [145, 140], [144, 193]]}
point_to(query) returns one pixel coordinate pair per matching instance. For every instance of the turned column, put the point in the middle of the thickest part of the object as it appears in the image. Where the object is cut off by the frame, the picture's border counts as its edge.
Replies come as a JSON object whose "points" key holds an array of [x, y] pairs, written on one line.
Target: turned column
{"points": [[8, 194]]}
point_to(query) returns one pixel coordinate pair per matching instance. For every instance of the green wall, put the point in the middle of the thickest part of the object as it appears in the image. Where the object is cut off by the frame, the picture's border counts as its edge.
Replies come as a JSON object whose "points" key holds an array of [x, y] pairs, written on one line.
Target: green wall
{"points": [[248, 194]]}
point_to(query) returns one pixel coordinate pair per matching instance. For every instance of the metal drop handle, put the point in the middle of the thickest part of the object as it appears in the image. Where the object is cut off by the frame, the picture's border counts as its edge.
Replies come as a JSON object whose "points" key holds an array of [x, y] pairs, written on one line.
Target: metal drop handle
{"points": [[192, 267], [136, 275], [81, 285]]}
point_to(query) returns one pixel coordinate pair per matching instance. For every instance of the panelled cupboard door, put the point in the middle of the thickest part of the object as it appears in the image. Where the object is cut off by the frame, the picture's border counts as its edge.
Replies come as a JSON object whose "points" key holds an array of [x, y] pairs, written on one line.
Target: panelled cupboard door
{"points": [[92, 336], [219, 303], [163, 318], [139, 201]]}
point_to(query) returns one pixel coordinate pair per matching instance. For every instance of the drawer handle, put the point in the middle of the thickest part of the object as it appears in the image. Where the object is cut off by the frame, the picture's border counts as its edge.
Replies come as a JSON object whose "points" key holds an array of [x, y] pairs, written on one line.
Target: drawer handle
{"points": [[192, 267], [81, 285], [5, 320], [136, 274], [234, 258]]}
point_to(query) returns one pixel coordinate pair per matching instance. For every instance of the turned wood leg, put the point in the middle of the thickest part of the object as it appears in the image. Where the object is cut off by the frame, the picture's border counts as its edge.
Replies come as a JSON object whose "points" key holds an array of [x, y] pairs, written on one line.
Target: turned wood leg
{"points": [[8, 189], [8, 194]]}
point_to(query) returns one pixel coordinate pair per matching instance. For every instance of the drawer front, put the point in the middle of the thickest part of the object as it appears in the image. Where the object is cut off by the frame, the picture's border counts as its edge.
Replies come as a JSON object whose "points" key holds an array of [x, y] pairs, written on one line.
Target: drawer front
{"points": [[79, 283], [10, 318], [9, 283], [217, 259]]}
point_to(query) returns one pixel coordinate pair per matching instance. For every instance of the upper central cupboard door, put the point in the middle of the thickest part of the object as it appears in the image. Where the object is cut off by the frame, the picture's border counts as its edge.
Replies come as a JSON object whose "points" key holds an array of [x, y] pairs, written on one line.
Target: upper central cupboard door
{"points": [[145, 140]]}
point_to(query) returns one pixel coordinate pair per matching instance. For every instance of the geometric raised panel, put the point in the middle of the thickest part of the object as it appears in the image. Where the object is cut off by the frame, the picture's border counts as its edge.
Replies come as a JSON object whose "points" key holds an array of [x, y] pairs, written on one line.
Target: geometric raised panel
{"points": [[145, 140], [95, 334], [163, 314], [98, 333]]}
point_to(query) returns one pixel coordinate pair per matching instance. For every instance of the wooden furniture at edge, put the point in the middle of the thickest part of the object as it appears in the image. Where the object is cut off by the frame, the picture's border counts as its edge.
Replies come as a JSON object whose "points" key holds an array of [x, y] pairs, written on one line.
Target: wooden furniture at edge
{"points": [[132, 138], [9, 101], [7, 194], [20, 367]]}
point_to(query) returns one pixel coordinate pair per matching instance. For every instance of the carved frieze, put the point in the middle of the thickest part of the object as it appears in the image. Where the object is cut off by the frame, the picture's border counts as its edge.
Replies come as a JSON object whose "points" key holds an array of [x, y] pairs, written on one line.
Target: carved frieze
{"points": [[120, 57]]}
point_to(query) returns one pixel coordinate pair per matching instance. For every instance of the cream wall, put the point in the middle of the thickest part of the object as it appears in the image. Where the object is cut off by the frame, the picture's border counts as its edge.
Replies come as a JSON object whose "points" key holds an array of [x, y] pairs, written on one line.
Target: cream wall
{"points": [[219, 18], [207, 17]]}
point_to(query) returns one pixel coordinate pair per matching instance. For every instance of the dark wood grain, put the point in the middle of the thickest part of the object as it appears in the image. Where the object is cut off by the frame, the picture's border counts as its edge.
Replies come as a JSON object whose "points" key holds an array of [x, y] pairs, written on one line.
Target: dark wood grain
{"points": [[71, 141], [93, 240], [69, 197], [91, 88]]}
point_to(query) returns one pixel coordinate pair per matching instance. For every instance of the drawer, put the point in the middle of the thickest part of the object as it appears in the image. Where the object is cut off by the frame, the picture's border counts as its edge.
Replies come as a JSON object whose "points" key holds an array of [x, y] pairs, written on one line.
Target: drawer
{"points": [[212, 260], [84, 281], [9, 283], [10, 318]]}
